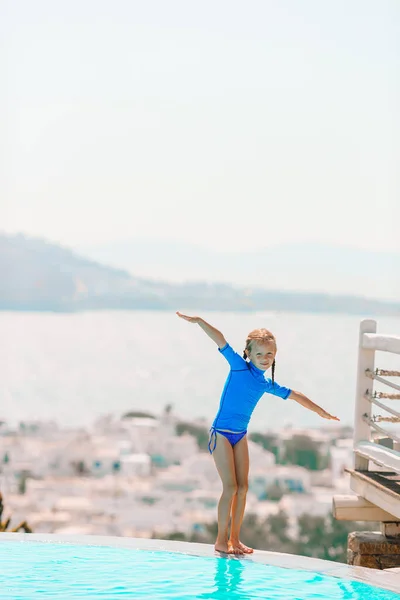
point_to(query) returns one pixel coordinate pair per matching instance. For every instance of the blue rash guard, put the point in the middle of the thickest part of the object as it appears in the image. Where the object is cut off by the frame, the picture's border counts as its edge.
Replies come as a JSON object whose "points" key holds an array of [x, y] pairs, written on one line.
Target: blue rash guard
{"points": [[243, 389]]}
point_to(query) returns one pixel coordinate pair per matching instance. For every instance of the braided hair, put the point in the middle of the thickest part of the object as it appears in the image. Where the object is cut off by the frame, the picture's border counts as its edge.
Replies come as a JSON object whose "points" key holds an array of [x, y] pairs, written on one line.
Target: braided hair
{"points": [[261, 336]]}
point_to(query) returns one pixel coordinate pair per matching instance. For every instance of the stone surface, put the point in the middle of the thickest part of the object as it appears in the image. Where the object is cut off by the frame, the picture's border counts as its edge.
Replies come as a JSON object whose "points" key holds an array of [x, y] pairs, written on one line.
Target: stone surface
{"points": [[366, 560], [372, 542], [373, 550], [375, 562], [389, 561], [391, 530]]}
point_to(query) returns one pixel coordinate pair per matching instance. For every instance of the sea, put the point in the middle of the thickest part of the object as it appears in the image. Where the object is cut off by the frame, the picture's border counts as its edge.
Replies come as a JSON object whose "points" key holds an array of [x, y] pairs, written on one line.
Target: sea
{"points": [[74, 368]]}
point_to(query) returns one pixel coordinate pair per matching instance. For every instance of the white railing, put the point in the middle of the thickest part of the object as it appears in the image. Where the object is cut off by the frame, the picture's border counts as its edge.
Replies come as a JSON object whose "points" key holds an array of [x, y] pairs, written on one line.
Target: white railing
{"points": [[366, 426]]}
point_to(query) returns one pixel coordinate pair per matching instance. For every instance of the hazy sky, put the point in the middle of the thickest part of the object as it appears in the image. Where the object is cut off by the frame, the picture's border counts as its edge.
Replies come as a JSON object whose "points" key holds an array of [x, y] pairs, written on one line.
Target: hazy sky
{"points": [[229, 124]]}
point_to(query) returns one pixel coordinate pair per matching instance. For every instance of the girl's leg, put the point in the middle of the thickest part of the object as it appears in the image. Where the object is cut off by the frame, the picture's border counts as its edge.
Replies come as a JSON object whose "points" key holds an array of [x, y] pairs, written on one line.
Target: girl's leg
{"points": [[223, 458], [241, 458]]}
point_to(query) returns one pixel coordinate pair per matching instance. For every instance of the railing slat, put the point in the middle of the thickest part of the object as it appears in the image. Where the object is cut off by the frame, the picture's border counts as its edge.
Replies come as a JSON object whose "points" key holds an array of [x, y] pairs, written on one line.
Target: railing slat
{"points": [[389, 459], [372, 375], [386, 433], [366, 362], [369, 485], [381, 405], [379, 342]]}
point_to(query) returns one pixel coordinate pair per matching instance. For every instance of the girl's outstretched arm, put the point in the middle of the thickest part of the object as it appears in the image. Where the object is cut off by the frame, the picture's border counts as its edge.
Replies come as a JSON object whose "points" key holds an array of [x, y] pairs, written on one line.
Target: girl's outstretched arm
{"points": [[213, 333], [307, 403]]}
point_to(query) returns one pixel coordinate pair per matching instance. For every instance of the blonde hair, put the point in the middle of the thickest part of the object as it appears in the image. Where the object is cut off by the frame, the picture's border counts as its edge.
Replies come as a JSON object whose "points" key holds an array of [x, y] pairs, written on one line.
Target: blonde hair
{"points": [[261, 336]]}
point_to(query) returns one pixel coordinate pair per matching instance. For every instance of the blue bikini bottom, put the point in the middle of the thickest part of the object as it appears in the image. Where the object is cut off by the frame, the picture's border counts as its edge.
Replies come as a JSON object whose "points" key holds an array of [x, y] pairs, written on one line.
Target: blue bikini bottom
{"points": [[233, 438]]}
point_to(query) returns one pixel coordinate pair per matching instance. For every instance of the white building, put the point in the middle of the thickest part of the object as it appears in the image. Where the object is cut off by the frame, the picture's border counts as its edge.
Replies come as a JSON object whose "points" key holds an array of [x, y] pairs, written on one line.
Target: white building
{"points": [[135, 465], [342, 457], [259, 457], [317, 504], [279, 478]]}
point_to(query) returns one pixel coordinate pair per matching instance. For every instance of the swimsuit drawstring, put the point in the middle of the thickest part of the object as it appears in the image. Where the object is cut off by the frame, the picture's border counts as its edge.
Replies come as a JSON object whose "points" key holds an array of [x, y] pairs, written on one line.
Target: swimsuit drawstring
{"points": [[213, 436]]}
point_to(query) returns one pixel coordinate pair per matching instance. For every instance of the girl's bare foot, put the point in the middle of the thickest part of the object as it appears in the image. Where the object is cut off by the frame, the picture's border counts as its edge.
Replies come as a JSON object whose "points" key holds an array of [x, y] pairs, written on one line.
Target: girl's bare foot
{"points": [[223, 546], [235, 547], [237, 544], [246, 549]]}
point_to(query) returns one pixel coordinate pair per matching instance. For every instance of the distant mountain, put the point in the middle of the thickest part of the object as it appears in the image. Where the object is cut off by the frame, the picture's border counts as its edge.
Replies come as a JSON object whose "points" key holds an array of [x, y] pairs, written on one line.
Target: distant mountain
{"points": [[38, 275], [291, 267]]}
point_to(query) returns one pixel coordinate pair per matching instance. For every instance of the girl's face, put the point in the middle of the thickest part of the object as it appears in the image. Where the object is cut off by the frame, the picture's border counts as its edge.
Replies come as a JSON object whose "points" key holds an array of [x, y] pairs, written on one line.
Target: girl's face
{"points": [[262, 355]]}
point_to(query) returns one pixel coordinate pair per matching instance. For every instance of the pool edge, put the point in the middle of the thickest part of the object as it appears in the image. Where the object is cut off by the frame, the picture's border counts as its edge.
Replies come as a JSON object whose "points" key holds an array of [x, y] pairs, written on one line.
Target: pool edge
{"points": [[381, 579]]}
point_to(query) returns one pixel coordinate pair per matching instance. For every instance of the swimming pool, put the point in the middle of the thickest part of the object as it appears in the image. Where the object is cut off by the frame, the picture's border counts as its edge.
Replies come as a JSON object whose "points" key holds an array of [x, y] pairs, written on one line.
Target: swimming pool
{"points": [[34, 566]]}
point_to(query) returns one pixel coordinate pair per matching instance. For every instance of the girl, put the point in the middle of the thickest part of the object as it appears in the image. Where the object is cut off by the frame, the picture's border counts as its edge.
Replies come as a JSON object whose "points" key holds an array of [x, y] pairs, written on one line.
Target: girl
{"points": [[245, 385]]}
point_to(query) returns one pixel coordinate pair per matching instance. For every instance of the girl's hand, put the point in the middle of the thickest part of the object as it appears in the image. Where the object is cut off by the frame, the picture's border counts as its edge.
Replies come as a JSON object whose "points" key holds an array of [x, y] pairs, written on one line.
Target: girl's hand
{"points": [[187, 318], [326, 415], [211, 331]]}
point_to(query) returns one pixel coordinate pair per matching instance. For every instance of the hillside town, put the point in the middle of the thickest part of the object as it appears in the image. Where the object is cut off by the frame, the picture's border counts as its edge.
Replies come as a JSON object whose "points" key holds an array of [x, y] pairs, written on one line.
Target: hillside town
{"points": [[135, 476]]}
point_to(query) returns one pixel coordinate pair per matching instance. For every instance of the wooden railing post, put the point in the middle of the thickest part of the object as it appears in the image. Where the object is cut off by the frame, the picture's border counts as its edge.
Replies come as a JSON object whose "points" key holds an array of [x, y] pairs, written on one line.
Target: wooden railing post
{"points": [[366, 360]]}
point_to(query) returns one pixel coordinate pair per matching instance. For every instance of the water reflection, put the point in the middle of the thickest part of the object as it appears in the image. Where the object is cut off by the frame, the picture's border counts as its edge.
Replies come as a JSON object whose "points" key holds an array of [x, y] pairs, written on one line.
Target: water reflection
{"points": [[228, 580], [349, 591]]}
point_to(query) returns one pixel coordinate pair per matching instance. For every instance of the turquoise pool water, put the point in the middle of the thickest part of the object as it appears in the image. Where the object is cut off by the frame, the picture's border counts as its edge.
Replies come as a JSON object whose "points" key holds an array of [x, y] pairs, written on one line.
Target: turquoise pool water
{"points": [[66, 571]]}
